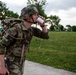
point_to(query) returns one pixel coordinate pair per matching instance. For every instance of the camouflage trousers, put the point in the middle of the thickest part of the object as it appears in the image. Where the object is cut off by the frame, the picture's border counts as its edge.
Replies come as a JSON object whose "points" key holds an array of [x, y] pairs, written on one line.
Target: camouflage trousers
{"points": [[14, 67]]}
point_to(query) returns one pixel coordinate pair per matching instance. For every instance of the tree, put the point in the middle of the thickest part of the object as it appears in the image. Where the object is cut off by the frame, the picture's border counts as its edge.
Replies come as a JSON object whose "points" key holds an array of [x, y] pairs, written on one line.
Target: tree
{"points": [[61, 28], [39, 5], [54, 20], [68, 27], [2, 6], [11, 14], [73, 28], [5, 12], [2, 10], [52, 28]]}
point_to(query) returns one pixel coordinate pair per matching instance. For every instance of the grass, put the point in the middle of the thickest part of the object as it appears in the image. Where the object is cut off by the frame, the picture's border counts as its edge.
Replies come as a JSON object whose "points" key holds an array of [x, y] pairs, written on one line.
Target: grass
{"points": [[58, 51]]}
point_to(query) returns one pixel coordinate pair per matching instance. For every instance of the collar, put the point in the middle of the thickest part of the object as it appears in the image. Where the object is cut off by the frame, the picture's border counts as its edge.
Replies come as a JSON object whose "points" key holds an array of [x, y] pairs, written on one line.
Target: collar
{"points": [[24, 28]]}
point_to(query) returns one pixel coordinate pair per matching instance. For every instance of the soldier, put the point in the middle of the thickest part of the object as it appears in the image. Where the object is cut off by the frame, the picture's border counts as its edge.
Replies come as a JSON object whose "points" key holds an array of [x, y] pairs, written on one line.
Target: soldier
{"points": [[16, 41]]}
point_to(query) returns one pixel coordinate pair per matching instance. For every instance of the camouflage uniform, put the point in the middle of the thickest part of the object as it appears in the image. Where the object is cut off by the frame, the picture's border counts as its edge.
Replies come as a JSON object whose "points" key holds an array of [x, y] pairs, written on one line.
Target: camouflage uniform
{"points": [[16, 41]]}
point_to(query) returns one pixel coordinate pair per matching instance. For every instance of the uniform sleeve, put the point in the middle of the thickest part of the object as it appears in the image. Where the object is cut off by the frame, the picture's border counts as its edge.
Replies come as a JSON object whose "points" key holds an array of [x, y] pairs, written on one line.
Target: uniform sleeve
{"points": [[7, 39], [38, 33]]}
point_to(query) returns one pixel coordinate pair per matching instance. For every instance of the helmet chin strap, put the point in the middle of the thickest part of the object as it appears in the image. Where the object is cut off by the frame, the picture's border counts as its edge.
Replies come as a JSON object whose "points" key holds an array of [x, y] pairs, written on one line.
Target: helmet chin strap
{"points": [[32, 20]]}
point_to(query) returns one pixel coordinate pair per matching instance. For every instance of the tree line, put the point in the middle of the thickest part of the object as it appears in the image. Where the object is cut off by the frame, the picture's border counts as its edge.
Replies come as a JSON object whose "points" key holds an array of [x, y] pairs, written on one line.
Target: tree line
{"points": [[52, 20], [5, 12]]}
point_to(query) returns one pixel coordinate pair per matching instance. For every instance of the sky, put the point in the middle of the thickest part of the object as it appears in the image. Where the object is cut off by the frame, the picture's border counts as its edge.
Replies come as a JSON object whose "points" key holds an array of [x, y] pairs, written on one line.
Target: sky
{"points": [[65, 9]]}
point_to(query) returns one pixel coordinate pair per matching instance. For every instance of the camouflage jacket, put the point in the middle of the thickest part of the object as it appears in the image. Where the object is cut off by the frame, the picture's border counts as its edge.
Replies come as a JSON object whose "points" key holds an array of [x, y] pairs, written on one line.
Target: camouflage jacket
{"points": [[15, 37]]}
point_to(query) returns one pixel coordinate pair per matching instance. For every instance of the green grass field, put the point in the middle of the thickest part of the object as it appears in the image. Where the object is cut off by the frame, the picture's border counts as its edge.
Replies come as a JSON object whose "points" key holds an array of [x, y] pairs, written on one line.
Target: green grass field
{"points": [[58, 51]]}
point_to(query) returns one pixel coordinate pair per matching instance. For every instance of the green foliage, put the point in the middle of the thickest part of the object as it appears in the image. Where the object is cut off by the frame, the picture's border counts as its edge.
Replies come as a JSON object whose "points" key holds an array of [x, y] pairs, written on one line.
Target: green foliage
{"points": [[2, 6], [52, 28], [68, 27], [5, 12], [71, 28], [58, 51], [2, 10], [41, 10], [11, 14], [61, 28], [74, 28], [54, 21]]}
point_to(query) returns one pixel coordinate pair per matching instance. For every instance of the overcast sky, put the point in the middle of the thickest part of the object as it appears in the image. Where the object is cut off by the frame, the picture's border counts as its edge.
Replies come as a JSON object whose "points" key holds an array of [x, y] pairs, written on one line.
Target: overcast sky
{"points": [[65, 9]]}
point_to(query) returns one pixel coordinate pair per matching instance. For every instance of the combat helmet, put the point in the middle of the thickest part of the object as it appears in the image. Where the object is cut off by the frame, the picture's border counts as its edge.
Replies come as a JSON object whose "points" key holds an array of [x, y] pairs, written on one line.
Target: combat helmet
{"points": [[28, 11]]}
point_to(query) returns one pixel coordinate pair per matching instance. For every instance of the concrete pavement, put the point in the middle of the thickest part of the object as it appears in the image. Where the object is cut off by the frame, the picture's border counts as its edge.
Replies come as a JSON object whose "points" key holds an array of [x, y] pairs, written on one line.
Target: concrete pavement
{"points": [[32, 68]]}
